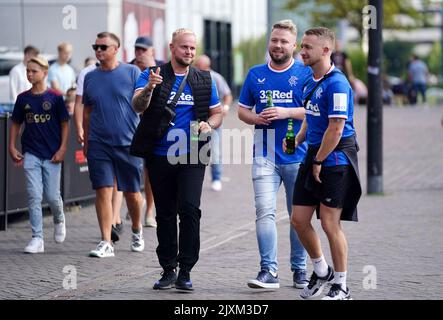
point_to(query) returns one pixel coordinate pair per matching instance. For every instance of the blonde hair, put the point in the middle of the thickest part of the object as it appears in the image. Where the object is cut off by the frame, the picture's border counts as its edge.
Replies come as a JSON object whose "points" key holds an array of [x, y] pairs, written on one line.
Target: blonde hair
{"points": [[181, 31], [286, 25], [324, 33], [64, 46], [41, 61]]}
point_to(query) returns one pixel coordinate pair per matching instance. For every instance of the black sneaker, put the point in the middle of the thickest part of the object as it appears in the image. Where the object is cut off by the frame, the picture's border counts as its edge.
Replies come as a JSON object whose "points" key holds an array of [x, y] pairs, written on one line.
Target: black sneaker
{"points": [[317, 284], [166, 281], [337, 293], [114, 234], [119, 228], [264, 280], [300, 281], [183, 281]]}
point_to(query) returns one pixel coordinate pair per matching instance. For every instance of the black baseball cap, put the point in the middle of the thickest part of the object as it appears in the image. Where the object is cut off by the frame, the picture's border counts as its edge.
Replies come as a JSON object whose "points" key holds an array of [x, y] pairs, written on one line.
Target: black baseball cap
{"points": [[143, 42]]}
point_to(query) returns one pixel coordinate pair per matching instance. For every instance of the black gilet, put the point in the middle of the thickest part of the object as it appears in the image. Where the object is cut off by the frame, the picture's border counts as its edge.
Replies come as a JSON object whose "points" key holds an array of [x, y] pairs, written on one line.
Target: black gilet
{"points": [[200, 82]]}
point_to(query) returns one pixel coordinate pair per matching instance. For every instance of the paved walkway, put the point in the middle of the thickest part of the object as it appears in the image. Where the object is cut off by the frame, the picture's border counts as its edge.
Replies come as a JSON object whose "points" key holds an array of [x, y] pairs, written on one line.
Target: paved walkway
{"points": [[395, 250]]}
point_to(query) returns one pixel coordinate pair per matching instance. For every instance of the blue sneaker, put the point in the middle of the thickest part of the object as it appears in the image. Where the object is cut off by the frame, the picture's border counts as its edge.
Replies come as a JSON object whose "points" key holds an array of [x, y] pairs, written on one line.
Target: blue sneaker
{"points": [[300, 281], [264, 280], [166, 281], [183, 281]]}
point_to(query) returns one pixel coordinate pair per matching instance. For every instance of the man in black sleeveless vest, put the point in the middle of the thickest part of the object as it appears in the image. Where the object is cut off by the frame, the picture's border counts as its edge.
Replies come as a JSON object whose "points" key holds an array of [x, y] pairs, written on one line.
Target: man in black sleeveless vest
{"points": [[176, 168]]}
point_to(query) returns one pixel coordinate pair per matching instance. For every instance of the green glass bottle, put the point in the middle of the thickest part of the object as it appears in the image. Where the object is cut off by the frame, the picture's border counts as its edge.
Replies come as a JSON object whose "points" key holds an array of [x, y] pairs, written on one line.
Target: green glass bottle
{"points": [[194, 130], [269, 102], [290, 138]]}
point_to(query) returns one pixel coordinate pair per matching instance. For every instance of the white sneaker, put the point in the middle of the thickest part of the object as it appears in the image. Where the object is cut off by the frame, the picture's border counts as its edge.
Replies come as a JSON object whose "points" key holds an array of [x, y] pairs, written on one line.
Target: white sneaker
{"points": [[216, 185], [60, 232], [337, 293], [103, 250], [137, 241], [36, 245], [317, 284], [150, 222]]}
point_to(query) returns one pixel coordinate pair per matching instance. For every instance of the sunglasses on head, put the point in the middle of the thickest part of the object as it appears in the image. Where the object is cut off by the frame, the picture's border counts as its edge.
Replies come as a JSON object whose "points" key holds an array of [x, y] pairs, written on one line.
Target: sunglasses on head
{"points": [[102, 47]]}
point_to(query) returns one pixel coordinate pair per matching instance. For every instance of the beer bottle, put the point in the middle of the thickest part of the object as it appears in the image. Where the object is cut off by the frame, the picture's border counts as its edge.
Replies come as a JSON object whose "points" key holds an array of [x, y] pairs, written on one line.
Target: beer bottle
{"points": [[290, 138], [194, 130], [269, 102]]}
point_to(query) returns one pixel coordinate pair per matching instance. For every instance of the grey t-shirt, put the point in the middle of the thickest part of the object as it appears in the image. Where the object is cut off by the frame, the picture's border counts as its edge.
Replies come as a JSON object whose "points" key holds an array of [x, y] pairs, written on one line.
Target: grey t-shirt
{"points": [[221, 84]]}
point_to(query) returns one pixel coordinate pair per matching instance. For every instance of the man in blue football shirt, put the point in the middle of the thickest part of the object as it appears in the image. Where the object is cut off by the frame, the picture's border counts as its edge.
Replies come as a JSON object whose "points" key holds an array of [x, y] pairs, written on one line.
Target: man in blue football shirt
{"points": [[176, 185], [328, 179], [284, 78]]}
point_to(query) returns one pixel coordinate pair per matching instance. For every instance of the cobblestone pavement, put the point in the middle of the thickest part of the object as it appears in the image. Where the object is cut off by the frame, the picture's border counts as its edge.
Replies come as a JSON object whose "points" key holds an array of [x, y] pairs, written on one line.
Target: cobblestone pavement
{"points": [[395, 251]]}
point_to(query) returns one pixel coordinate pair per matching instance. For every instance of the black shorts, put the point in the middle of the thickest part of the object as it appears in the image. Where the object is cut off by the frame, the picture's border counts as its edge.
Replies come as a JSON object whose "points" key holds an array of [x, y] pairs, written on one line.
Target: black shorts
{"points": [[332, 192]]}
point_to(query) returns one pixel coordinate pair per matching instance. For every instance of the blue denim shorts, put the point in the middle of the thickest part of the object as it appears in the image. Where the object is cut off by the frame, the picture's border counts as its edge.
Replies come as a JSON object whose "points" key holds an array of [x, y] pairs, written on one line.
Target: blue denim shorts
{"points": [[106, 162]]}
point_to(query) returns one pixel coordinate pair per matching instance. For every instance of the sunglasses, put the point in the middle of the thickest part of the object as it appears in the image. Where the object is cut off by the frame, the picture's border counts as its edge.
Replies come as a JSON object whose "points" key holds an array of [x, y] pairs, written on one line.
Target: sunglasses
{"points": [[102, 47]]}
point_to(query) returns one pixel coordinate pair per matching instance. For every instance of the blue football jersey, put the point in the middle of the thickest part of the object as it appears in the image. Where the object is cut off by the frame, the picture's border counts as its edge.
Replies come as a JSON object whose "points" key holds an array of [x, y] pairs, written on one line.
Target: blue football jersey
{"points": [[179, 134], [287, 92], [333, 98]]}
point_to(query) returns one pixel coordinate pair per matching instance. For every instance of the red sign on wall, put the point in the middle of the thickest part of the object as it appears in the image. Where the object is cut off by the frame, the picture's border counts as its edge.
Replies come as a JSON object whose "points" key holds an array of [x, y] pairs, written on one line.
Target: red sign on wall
{"points": [[144, 20]]}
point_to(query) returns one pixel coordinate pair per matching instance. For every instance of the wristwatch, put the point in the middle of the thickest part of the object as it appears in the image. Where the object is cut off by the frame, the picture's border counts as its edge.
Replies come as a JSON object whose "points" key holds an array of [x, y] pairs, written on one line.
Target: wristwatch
{"points": [[315, 161]]}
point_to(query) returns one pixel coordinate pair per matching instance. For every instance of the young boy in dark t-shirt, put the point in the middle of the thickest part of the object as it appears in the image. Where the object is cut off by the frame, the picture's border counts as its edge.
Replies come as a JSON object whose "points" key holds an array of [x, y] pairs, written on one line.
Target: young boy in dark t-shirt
{"points": [[44, 143]]}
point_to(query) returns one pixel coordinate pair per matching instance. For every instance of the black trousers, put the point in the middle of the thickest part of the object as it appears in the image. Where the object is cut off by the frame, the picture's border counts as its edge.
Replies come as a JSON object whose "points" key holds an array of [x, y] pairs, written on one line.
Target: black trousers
{"points": [[177, 190]]}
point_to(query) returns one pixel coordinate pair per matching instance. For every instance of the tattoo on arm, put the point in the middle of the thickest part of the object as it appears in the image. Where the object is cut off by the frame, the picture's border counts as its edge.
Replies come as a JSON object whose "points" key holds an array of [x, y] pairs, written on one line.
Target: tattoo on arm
{"points": [[141, 102]]}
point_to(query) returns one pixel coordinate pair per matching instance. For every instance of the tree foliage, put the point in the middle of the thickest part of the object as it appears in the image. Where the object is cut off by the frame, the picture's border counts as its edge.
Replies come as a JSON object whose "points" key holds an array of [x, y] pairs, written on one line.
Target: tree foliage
{"points": [[328, 12], [396, 57], [253, 51], [434, 59]]}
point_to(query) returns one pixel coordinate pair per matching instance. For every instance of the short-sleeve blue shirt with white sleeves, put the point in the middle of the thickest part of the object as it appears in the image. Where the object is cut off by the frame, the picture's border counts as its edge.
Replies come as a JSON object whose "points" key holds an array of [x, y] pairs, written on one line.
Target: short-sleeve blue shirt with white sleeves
{"points": [[332, 99], [184, 116], [287, 92]]}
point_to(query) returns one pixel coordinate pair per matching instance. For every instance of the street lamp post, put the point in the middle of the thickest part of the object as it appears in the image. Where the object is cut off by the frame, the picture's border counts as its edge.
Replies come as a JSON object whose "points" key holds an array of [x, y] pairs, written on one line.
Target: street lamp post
{"points": [[375, 102]]}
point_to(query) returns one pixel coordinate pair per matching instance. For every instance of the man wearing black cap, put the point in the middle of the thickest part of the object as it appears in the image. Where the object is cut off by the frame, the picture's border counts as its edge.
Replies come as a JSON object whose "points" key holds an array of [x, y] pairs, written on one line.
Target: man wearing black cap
{"points": [[144, 58], [145, 54]]}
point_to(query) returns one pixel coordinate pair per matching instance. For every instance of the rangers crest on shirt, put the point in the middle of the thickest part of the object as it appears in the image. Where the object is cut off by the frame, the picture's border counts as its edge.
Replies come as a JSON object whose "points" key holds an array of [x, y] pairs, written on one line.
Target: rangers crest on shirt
{"points": [[319, 93], [293, 81]]}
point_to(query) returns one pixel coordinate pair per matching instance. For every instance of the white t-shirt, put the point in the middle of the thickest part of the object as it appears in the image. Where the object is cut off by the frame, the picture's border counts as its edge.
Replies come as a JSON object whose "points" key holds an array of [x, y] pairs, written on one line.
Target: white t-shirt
{"points": [[81, 78], [63, 74], [18, 82]]}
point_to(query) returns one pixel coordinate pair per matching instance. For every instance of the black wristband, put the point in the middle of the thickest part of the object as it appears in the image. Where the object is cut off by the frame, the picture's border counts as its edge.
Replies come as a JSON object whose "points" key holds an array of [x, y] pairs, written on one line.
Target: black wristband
{"points": [[315, 161]]}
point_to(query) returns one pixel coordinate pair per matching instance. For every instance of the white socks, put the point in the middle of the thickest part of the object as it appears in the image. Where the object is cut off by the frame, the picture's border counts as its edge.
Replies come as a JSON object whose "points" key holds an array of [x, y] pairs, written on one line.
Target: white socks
{"points": [[320, 266], [340, 278]]}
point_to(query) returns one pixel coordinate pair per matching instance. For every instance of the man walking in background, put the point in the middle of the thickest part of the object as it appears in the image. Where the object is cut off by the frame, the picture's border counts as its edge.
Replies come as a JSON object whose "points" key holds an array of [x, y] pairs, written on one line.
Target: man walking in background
{"points": [[18, 82], [225, 95], [61, 75]]}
